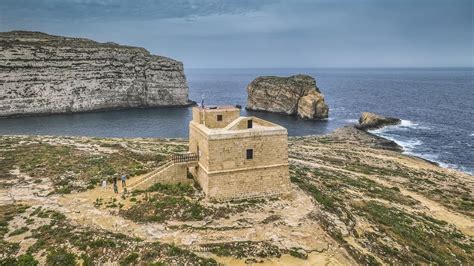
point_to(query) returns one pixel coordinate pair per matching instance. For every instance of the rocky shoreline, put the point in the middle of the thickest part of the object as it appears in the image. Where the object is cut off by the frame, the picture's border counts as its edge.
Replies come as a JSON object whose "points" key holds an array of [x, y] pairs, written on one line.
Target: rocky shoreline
{"points": [[188, 104]]}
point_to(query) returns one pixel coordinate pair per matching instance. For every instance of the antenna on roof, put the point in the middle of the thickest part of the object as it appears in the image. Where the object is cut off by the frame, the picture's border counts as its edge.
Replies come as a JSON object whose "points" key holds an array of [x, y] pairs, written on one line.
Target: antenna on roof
{"points": [[202, 100]]}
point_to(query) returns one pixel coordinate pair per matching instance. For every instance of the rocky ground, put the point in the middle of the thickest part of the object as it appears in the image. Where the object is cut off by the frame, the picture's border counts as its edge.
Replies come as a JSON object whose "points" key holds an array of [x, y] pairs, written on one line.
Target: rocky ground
{"points": [[356, 200]]}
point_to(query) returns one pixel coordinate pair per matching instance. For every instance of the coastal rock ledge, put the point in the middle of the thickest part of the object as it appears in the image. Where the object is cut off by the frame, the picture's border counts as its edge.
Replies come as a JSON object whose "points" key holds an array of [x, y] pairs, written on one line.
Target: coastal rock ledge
{"points": [[373, 121], [295, 95], [42, 74]]}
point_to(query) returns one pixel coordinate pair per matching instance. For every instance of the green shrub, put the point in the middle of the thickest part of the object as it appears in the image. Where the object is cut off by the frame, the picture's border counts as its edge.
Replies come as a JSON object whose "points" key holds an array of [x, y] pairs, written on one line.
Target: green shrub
{"points": [[26, 260], [19, 231], [171, 189], [10, 261], [130, 259], [86, 260], [60, 258], [298, 253], [102, 243]]}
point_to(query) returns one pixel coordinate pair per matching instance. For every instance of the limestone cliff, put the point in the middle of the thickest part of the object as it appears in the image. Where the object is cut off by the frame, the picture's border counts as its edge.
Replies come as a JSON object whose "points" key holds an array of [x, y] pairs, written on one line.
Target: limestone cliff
{"points": [[41, 73], [373, 121], [295, 95]]}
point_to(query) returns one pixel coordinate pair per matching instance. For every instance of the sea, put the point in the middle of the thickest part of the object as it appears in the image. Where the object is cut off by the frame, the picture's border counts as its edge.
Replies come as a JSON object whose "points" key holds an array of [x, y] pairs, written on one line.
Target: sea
{"points": [[436, 106]]}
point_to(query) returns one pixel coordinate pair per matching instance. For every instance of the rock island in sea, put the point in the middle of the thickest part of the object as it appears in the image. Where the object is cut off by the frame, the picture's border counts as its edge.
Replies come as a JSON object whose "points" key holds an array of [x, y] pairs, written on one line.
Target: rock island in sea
{"points": [[294, 95]]}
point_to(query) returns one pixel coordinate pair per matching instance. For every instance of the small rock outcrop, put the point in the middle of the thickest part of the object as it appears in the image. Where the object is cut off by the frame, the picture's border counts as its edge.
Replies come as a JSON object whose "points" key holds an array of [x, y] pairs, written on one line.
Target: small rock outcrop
{"points": [[41, 74], [295, 95], [373, 121]]}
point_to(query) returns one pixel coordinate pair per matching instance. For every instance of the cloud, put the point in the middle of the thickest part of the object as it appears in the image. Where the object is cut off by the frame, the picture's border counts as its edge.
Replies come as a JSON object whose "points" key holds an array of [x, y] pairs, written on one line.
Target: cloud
{"points": [[107, 10], [265, 33]]}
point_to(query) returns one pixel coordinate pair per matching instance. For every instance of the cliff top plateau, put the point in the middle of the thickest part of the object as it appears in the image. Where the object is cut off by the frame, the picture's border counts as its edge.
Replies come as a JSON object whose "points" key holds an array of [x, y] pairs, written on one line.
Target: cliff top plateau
{"points": [[355, 200]]}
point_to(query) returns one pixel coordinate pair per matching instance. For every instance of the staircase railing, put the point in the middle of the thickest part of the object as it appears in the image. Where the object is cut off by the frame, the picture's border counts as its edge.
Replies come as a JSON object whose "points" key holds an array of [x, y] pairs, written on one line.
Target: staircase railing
{"points": [[184, 158]]}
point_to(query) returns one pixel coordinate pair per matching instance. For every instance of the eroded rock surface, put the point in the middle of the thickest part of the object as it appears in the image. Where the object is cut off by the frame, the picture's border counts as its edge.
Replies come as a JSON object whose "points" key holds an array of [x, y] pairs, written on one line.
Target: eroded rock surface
{"points": [[373, 121], [41, 73], [355, 135], [295, 95]]}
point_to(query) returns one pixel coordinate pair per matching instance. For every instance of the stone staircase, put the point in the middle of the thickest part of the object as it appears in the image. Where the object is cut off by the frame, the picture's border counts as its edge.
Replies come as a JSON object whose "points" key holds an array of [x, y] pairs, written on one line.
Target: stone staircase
{"points": [[173, 171], [147, 178]]}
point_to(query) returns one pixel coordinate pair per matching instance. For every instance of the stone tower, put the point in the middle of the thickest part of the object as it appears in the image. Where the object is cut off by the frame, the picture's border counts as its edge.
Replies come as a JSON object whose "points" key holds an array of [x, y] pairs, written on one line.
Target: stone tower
{"points": [[239, 157]]}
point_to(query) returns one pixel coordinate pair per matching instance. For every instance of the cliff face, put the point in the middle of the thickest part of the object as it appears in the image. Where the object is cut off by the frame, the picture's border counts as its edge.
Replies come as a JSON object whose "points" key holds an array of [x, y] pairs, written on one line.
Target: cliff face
{"points": [[40, 73], [295, 95]]}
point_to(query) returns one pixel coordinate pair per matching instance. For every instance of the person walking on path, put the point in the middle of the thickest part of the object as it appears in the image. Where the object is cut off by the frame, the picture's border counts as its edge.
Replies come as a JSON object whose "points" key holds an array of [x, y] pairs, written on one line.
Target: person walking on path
{"points": [[104, 184], [115, 185], [124, 179], [124, 184]]}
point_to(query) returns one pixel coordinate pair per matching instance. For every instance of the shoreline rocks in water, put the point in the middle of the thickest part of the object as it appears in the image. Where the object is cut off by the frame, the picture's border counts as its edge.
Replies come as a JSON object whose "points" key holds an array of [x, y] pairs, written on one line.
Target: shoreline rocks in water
{"points": [[369, 121], [45, 74], [294, 95]]}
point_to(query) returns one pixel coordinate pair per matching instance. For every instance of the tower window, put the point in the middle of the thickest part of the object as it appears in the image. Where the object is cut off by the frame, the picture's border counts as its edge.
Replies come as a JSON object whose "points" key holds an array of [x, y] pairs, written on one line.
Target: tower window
{"points": [[219, 117], [249, 154], [249, 123]]}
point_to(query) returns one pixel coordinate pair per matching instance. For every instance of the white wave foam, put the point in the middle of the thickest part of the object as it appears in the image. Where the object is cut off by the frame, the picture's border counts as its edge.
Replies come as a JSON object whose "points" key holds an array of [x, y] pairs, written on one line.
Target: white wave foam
{"points": [[435, 158], [407, 123], [387, 133], [409, 144], [352, 120], [410, 124], [403, 126], [428, 156]]}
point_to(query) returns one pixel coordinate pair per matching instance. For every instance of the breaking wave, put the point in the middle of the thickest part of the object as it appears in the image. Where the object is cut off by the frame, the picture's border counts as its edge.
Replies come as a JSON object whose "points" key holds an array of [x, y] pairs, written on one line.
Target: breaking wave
{"points": [[352, 121]]}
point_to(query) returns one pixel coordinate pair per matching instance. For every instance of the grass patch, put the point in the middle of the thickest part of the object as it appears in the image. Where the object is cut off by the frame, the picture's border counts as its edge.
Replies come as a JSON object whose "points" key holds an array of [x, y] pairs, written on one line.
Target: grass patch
{"points": [[427, 242], [129, 260], [160, 208], [70, 169], [7, 213], [19, 231], [172, 189], [60, 258], [244, 249]]}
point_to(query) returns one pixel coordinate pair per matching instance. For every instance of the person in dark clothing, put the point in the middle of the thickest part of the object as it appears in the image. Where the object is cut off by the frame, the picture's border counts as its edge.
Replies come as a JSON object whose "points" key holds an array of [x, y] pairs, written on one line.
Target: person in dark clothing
{"points": [[115, 185]]}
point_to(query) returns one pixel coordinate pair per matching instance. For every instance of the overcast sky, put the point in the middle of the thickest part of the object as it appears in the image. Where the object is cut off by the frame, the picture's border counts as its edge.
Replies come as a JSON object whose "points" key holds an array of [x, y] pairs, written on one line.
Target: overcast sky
{"points": [[265, 33]]}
